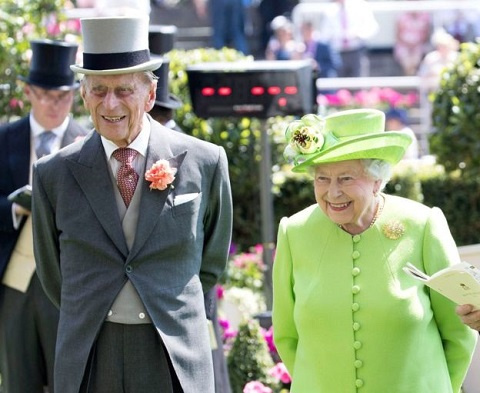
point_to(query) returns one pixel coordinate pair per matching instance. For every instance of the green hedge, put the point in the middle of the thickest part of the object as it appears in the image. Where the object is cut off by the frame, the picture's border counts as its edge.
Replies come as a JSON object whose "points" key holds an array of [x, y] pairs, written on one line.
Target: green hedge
{"points": [[460, 201]]}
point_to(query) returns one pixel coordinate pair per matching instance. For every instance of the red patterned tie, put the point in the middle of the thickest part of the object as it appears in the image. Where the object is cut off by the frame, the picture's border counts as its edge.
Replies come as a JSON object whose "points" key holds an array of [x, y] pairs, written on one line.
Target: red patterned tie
{"points": [[127, 178]]}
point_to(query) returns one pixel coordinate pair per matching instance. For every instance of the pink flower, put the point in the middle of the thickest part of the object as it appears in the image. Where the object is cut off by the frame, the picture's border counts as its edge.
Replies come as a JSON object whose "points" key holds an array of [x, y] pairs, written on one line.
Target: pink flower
{"points": [[223, 322], [220, 291], [280, 372], [256, 387], [161, 175], [268, 336], [15, 103]]}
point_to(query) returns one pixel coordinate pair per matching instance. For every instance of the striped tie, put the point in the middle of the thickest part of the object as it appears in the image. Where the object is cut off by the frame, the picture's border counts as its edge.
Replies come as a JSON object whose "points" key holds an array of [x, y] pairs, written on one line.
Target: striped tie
{"points": [[45, 142]]}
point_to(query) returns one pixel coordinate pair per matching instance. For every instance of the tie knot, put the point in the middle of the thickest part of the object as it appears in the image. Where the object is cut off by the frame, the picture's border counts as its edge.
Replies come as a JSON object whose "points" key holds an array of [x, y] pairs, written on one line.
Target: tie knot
{"points": [[45, 142], [125, 155]]}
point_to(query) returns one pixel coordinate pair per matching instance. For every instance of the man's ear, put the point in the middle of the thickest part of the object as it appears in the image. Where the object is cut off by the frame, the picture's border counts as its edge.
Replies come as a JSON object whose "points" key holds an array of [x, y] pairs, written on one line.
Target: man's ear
{"points": [[151, 97]]}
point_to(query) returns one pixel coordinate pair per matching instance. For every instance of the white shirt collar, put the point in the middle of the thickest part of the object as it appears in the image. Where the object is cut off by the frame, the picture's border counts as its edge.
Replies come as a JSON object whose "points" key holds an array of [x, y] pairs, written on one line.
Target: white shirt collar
{"points": [[140, 143], [37, 129]]}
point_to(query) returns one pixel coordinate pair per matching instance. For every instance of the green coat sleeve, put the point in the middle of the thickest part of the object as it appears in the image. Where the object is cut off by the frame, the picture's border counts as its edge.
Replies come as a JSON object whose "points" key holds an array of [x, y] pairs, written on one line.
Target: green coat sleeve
{"points": [[458, 340], [285, 333]]}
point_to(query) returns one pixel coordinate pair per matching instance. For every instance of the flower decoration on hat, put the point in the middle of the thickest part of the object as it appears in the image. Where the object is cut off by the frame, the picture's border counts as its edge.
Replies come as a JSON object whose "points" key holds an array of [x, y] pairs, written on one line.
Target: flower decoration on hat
{"points": [[304, 137], [161, 174]]}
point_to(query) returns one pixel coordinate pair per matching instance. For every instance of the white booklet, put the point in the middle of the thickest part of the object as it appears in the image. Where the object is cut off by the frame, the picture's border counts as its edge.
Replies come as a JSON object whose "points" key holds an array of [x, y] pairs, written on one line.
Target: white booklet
{"points": [[460, 283]]}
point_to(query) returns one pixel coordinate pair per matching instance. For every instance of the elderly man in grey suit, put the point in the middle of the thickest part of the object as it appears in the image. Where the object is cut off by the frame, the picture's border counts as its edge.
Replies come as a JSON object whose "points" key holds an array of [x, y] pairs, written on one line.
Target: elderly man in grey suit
{"points": [[131, 226], [28, 320]]}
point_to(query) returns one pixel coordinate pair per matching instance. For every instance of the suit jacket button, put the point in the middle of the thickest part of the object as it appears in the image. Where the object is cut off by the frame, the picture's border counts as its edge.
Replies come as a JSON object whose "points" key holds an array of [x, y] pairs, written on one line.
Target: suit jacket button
{"points": [[128, 269]]}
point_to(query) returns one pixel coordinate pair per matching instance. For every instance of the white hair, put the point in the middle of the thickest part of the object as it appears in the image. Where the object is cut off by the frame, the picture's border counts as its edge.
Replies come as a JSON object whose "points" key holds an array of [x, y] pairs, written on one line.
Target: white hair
{"points": [[378, 170], [374, 169]]}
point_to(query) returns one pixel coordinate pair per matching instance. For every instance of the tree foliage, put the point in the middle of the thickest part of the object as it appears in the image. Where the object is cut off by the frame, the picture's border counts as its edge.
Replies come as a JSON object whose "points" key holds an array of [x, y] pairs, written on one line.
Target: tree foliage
{"points": [[249, 358], [20, 22], [456, 115]]}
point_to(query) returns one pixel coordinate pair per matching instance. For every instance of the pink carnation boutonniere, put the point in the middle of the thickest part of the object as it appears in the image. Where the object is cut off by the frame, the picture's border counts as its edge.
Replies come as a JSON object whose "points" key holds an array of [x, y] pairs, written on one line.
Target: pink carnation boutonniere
{"points": [[161, 174]]}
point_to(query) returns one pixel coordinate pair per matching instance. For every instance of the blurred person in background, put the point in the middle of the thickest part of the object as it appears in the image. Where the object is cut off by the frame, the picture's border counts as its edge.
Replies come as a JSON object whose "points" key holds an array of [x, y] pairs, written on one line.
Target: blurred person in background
{"points": [[227, 18], [444, 53], [353, 24], [462, 24], [166, 103], [412, 35], [282, 45], [28, 320], [267, 11], [326, 59], [396, 119]]}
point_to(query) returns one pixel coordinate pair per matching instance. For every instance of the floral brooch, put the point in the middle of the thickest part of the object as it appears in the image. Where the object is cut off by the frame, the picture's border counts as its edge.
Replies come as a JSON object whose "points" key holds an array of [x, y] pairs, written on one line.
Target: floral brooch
{"points": [[161, 175], [393, 230]]}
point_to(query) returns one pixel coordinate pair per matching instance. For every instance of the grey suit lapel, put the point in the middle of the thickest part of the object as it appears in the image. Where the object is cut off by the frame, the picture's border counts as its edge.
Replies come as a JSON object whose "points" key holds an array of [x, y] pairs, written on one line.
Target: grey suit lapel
{"points": [[92, 174], [73, 131], [154, 200]]}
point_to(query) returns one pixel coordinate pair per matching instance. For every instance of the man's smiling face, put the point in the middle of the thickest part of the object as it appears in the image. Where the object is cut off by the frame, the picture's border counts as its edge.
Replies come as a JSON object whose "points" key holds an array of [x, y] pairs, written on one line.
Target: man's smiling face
{"points": [[117, 104]]}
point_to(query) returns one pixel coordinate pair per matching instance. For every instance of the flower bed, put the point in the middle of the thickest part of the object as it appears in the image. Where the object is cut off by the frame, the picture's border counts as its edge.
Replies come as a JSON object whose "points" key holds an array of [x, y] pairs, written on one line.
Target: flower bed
{"points": [[253, 362]]}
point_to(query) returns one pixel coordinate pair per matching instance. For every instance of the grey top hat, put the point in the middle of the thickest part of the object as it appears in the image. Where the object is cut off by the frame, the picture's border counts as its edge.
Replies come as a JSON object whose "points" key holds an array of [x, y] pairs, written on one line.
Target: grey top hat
{"points": [[50, 65], [115, 45], [163, 97]]}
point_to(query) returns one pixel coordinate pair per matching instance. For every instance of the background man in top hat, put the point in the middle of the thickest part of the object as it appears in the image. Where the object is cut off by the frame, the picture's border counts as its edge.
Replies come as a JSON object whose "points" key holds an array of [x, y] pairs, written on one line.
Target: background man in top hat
{"points": [[128, 261], [165, 102], [28, 320]]}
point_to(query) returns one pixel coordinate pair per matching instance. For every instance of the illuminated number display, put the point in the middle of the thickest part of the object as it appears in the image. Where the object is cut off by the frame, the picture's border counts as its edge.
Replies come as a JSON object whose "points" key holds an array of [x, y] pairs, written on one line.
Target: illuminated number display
{"points": [[256, 89]]}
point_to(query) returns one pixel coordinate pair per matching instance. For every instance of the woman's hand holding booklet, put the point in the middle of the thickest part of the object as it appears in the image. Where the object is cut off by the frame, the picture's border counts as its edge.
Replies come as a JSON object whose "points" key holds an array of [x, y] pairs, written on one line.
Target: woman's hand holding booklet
{"points": [[460, 283]]}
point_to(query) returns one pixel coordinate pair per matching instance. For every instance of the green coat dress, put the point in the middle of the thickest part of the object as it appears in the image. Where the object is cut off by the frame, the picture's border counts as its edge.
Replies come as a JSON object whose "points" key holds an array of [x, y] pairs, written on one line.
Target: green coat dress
{"points": [[347, 318]]}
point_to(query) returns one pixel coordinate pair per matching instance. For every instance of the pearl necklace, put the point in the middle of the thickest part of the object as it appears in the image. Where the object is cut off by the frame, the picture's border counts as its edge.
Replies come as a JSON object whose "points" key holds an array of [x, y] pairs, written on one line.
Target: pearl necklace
{"points": [[380, 205], [378, 211]]}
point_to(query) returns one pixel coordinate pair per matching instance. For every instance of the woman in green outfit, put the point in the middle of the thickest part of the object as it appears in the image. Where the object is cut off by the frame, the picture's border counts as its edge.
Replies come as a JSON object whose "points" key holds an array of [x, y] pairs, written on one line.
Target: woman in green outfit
{"points": [[346, 317]]}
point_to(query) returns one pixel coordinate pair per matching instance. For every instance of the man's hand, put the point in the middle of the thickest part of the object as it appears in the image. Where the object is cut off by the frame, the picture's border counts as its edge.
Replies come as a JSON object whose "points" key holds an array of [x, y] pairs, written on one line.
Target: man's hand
{"points": [[469, 316]]}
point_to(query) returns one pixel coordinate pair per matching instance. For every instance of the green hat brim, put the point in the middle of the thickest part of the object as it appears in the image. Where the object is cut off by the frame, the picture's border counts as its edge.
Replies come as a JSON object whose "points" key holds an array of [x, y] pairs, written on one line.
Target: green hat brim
{"points": [[389, 146]]}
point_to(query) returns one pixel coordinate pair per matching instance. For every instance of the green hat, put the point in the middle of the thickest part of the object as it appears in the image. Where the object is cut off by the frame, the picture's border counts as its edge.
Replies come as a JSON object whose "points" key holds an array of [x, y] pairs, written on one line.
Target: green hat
{"points": [[346, 135]]}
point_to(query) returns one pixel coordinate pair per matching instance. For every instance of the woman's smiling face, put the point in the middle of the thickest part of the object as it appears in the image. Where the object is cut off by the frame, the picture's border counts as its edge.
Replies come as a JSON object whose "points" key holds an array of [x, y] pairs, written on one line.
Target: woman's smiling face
{"points": [[346, 194], [117, 104]]}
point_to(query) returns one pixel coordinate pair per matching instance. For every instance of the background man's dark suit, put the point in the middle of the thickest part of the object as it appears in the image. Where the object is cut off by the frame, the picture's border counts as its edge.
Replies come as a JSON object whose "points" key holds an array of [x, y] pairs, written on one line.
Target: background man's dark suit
{"points": [[15, 166]]}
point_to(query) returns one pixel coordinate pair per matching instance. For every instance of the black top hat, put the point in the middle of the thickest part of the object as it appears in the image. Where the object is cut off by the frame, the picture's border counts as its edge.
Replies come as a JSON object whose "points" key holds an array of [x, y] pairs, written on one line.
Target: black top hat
{"points": [[50, 65], [163, 97], [161, 38]]}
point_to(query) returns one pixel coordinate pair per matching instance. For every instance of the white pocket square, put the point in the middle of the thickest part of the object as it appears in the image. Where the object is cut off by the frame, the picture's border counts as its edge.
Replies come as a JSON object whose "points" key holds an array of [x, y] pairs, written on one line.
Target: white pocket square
{"points": [[179, 199]]}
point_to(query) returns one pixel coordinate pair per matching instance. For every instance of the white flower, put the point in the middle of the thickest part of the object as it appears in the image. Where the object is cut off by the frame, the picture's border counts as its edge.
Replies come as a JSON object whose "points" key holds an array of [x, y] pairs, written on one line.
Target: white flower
{"points": [[240, 304], [304, 136]]}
